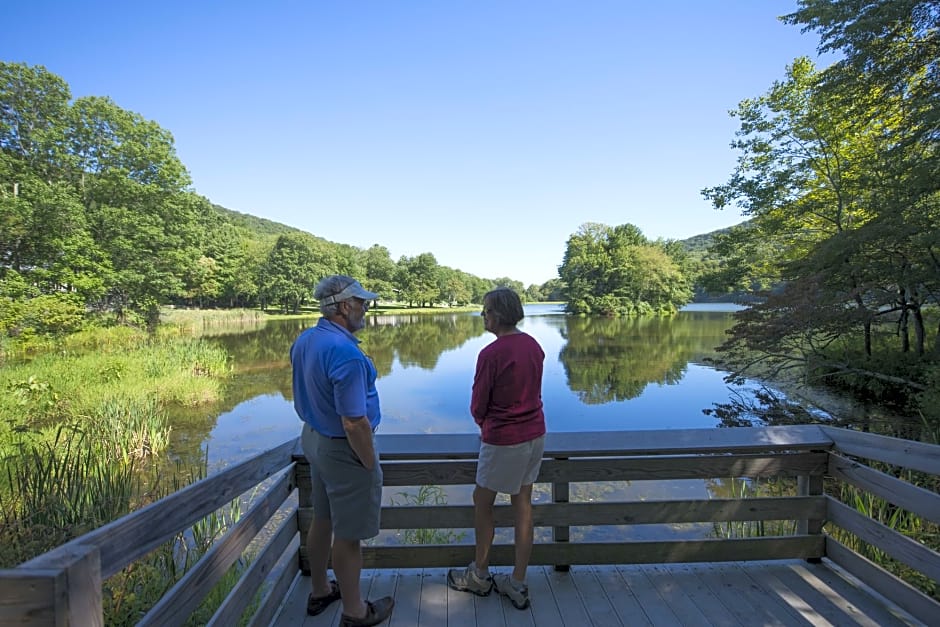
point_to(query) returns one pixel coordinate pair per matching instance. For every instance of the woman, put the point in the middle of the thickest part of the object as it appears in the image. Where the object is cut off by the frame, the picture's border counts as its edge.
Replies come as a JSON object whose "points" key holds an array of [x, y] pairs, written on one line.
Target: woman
{"points": [[506, 403]]}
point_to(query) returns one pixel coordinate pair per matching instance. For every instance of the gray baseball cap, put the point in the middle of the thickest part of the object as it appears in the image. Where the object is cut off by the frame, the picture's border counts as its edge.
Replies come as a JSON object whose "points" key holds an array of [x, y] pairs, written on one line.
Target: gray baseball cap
{"points": [[352, 290]]}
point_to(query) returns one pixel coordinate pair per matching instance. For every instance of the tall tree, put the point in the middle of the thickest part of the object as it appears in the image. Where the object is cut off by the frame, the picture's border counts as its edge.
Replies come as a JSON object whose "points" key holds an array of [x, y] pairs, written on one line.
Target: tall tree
{"points": [[617, 271]]}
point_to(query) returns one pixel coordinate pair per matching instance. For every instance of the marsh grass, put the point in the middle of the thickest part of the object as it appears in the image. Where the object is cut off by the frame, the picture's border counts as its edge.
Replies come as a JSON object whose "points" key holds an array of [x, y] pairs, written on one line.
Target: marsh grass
{"points": [[207, 322], [896, 518], [425, 495], [79, 426], [741, 488], [55, 490], [129, 594]]}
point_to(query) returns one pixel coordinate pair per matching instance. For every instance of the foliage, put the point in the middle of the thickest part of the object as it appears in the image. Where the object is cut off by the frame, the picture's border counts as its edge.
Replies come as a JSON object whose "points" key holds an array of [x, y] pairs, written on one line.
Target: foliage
{"points": [[838, 174], [617, 271], [893, 517], [57, 489], [97, 216], [426, 495], [744, 488]]}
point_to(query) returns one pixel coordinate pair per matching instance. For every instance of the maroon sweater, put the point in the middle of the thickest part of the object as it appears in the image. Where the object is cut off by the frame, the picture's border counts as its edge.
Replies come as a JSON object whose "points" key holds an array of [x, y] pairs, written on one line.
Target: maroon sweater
{"points": [[507, 390]]}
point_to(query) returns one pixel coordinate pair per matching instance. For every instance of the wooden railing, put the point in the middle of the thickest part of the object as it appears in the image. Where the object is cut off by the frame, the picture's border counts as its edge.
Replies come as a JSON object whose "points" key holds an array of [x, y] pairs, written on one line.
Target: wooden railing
{"points": [[63, 587]]}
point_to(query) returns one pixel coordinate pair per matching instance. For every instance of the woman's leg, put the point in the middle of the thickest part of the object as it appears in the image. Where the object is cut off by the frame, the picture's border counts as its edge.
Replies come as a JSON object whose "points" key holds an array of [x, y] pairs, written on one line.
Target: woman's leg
{"points": [[522, 510]]}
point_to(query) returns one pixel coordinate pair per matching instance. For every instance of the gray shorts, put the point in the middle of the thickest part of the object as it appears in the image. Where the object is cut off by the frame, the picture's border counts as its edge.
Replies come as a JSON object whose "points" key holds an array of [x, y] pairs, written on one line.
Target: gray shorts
{"points": [[344, 490], [507, 468]]}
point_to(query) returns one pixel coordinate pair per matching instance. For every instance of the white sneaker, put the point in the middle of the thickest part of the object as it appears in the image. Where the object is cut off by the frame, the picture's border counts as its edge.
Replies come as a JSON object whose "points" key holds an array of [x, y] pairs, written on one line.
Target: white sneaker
{"points": [[516, 591]]}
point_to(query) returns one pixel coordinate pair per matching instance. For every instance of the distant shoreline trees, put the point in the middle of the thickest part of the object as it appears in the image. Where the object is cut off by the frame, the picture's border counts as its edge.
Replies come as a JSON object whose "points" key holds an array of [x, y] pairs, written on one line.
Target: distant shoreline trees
{"points": [[616, 271], [97, 216]]}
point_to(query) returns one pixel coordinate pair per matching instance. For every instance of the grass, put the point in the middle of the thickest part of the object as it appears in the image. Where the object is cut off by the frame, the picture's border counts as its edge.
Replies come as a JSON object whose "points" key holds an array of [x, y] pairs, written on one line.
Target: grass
{"points": [[425, 495]]}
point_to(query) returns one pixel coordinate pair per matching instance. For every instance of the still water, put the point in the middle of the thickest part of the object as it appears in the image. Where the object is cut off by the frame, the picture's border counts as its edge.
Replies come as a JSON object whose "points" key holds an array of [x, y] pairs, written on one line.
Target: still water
{"points": [[600, 374]]}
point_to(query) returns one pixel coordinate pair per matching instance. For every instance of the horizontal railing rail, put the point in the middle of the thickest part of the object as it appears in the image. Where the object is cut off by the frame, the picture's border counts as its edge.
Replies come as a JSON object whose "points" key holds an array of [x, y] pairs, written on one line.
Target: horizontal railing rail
{"points": [[64, 586], [900, 456]]}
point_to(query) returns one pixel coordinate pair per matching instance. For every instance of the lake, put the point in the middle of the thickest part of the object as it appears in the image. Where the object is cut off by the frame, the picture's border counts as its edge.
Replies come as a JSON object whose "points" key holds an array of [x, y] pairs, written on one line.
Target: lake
{"points": [[600, 374]]}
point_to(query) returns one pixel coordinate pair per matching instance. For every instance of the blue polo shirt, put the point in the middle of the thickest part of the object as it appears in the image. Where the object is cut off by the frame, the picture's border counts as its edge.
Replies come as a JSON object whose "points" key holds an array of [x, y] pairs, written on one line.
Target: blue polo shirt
{"points": [[332, 377]]}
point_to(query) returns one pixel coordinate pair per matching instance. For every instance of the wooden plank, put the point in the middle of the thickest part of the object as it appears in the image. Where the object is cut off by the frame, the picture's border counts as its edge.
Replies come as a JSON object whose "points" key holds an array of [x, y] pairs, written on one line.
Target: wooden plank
{"points": [[824, 600], [294, 604], [681, 467], [600, 610], [241, 594], [488, 609], [617, 443], [33, 595], [424, 472], [903, 494], [786, 595], [567, 598], [284, 573], [407, 598], [904, 595], [768, 609], [655, 608], [382, 583], [543, 606], [126, 539], [460, 611], [709, 550], [896, 451], [612, 513], [898, 546], [676, 598], [186, 594], [741, 606], [433, 599], [689, 582], [622, 598]]}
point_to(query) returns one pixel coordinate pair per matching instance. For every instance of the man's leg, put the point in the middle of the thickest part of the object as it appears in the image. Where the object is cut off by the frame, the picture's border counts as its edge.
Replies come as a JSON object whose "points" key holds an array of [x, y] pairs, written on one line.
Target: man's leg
{"points": [[319, 538], [483, 500], [522, 509], [347, 564]]}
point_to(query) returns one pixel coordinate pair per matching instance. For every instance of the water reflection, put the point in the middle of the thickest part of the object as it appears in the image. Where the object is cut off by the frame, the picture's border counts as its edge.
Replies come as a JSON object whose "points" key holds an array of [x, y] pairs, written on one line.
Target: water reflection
{"points": [[600, 374]]}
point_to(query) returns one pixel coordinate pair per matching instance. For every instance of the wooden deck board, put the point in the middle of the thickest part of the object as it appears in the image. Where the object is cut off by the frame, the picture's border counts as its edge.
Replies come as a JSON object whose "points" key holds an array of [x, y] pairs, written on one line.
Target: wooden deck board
{"points": [[729, 594]]}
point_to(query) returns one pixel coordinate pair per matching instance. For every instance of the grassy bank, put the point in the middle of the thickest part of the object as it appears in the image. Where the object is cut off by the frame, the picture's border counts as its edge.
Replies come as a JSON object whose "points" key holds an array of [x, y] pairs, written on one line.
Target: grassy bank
{"points": [[83, 426]]}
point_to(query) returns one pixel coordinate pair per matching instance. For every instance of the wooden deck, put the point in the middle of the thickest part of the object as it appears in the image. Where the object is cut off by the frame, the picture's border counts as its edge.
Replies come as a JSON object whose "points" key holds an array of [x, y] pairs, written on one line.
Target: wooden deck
{"points": [[779, 592]]}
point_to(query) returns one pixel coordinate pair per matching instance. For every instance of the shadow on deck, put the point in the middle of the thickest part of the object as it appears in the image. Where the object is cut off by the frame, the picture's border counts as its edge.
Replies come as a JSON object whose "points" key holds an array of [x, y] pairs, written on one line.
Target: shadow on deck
{"points": [[779, 592], [789, 555]]}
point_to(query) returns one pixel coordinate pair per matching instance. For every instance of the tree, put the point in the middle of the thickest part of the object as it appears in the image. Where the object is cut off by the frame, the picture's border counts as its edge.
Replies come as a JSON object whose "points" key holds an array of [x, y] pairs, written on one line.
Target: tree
{"points": [[379, 271], [838, 171], [617, 271], [293, 268], [417, 280]]}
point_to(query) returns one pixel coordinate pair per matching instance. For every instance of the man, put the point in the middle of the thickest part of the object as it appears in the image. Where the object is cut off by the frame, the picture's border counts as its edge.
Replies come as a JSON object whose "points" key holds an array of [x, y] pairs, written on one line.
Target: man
{"points": [[335, 396], [506, 403]]}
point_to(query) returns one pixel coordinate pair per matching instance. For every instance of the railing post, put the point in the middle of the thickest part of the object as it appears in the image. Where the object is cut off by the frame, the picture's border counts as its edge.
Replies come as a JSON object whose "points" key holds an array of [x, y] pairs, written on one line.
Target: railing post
{"points": [[64, 592], [810, 485], [304, 506], [560, 534]]}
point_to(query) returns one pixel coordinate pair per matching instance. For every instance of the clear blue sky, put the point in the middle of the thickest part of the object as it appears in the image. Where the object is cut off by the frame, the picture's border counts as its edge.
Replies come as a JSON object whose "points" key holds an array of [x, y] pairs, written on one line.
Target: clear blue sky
{"points": [[485, 132]]}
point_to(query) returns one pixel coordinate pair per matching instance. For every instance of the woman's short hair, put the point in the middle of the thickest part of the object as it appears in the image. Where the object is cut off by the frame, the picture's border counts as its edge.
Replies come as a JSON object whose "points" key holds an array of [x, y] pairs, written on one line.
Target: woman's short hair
{"points": [[505, 304]]}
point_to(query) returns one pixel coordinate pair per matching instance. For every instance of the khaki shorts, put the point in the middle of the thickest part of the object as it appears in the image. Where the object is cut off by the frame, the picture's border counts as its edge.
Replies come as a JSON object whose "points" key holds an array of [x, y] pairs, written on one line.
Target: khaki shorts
{"points": [[344, 490], [507, 468]]}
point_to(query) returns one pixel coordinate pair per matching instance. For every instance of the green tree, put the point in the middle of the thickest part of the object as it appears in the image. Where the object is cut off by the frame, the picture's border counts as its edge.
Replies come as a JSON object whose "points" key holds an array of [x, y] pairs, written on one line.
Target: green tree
{"points": [[839, 174], [379, 271], [617, 271], [293, 268], [417, 280]]}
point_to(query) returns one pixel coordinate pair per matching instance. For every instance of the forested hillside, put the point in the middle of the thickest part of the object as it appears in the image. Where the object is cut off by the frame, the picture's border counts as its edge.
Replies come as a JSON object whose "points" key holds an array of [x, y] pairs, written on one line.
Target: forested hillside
{"points": [[98, 215]]}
